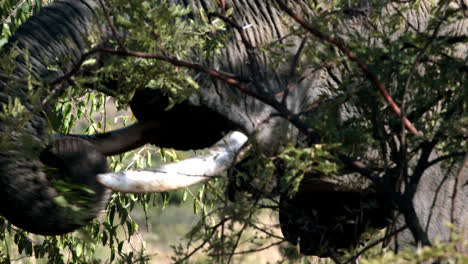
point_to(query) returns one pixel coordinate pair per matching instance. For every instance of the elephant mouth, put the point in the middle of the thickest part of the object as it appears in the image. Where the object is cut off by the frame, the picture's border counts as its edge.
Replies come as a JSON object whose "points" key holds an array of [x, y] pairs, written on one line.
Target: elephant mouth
{"points": [[215, 160]]}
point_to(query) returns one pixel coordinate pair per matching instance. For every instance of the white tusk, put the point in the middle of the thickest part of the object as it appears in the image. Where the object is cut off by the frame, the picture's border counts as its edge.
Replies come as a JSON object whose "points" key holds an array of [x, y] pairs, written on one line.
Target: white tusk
{"points": [[179, 174]]}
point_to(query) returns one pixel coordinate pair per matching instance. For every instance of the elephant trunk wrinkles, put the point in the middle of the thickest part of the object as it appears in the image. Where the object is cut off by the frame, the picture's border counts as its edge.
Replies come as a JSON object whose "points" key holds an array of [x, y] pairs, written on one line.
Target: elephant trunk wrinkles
{"points": [[56, 37]]}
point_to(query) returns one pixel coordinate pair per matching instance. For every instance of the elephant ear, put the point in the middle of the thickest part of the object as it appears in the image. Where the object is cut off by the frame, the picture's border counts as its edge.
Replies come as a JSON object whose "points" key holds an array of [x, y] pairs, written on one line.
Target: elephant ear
{"points": [[57, 196]]}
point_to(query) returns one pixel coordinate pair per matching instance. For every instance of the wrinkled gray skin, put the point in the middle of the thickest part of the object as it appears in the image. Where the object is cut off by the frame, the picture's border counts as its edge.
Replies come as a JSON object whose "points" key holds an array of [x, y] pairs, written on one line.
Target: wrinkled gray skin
{"points": [[28, 197], [50, 33]]}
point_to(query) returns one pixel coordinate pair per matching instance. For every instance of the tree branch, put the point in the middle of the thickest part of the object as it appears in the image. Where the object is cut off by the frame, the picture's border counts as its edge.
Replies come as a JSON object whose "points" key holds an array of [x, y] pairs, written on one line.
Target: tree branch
{"points": [[227, 78], [342, 46]]}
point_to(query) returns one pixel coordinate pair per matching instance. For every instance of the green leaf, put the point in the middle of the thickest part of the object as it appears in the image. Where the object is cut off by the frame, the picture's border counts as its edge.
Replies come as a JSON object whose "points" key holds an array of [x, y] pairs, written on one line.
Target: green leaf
{"points": [[195, 206], [61, 201]]}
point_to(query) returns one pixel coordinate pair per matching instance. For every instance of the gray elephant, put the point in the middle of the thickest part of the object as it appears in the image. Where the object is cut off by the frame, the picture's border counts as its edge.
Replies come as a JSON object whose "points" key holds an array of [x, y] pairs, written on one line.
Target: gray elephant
{"points": [[35, 162], [214, 111]]}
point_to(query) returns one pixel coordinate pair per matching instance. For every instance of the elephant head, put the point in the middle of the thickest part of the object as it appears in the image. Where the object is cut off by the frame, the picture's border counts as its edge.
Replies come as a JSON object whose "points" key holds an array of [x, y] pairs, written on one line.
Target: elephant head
{"points": [[352, 203], [209, 115], [35, 163]]}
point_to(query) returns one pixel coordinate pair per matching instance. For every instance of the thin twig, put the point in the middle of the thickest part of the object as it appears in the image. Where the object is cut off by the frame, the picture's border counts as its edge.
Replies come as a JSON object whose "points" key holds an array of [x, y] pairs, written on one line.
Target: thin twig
{"points": [[223, 6], [441, 158], [203, 243], [265, 231], [111, 25], [73, 252], [13, 13], [236, 244], [254, 250], [87, 117], [326, 8], [253, 61], [239, 235], [375, 243]]}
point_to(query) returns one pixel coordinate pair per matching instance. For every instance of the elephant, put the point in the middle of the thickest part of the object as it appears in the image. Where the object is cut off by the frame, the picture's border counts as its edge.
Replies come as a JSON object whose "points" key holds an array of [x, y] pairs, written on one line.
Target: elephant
{"points": [[212, 113], [29, 181]]}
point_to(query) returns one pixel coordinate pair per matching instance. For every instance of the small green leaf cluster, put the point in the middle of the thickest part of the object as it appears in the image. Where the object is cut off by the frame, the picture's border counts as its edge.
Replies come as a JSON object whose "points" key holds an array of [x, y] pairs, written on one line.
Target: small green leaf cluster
{"points": [[157, 27], [296, 163], [13, 13]]}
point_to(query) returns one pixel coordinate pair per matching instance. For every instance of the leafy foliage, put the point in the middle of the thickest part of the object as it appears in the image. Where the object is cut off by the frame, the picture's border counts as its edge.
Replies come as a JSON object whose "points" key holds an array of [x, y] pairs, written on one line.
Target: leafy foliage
{"points": [[416, 67], [13, 13]]}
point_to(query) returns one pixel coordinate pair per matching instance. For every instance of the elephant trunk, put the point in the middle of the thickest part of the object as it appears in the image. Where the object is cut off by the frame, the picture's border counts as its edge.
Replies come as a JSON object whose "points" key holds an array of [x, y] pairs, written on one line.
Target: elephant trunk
{"points": [[30, 198], [47, 187]]}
